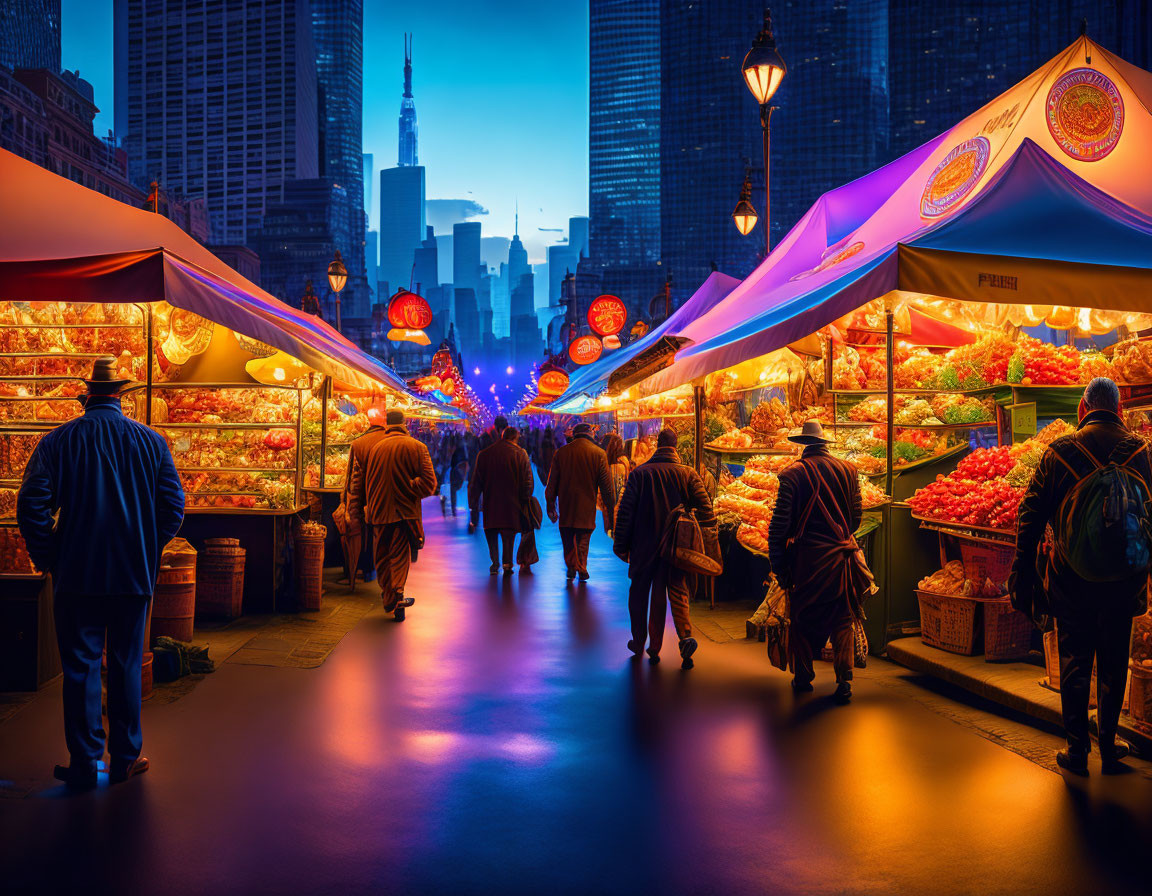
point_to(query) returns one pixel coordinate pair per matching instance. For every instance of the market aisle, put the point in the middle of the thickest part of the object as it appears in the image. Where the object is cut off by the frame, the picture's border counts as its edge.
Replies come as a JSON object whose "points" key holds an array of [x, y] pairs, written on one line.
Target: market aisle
{"points": [[501, 740]]}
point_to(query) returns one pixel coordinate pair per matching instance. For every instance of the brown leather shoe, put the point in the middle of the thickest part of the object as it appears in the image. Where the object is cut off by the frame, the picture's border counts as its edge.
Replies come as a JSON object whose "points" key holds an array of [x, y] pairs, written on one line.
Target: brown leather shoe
{"points": [[118, 773]]}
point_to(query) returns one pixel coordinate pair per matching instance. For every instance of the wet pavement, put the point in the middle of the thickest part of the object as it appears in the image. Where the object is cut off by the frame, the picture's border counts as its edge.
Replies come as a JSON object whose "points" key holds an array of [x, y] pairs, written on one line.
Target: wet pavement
{"points": [[501, 740]]}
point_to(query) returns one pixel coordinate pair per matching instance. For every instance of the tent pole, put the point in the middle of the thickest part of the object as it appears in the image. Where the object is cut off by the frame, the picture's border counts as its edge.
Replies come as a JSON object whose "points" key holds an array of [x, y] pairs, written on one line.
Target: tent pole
{"points": [[891, 415], [698, 420]]}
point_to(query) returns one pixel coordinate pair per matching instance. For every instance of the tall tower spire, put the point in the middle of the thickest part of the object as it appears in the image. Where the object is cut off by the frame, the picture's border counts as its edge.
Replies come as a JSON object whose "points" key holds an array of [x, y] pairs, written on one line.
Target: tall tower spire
{"points": [[407, 112], [517, 233]]}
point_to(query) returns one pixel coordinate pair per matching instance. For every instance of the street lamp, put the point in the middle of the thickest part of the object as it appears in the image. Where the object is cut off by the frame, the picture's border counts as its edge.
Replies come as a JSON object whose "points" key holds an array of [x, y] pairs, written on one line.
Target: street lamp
{"points": [[337, 277], [745, 215], [763, 71]]}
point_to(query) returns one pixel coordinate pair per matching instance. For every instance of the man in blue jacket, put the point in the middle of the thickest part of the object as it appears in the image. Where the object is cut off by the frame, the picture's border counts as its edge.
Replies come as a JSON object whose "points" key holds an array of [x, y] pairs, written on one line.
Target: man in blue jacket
{"points": [[119, 499]]}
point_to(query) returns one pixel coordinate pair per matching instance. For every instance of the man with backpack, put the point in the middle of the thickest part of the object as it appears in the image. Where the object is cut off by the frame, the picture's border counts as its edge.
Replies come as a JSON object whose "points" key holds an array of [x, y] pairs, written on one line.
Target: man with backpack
{"points": [[1092, 577]]}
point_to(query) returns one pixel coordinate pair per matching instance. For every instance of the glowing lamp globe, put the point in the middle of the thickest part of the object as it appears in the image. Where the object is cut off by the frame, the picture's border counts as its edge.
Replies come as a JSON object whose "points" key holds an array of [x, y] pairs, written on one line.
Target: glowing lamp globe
{"points": [[337, 273], [744, 216], [763, 68]]}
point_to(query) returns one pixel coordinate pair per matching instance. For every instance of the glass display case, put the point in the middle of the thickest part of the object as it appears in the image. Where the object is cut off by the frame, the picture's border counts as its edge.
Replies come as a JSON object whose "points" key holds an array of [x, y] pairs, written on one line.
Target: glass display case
{"points": [[236, 446]]}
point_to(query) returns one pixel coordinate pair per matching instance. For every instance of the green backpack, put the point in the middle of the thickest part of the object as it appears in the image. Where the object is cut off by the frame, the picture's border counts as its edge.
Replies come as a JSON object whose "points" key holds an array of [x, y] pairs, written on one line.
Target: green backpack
{"points": [[1103, 530]]}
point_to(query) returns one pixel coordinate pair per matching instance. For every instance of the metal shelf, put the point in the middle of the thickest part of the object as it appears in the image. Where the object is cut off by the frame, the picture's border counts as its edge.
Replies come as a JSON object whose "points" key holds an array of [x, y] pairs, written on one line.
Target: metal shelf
{"points": [[859, 424], [206, 426], [258, 470], [242, 511]]}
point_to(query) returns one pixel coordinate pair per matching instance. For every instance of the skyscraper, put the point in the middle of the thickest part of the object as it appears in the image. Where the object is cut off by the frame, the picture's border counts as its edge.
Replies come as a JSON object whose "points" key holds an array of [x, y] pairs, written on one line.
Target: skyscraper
{"points": [[408, 154], [624, 142], [369, 179], [402, 226], [222, 107], [30, 36], [338, 31], [466, 267]]}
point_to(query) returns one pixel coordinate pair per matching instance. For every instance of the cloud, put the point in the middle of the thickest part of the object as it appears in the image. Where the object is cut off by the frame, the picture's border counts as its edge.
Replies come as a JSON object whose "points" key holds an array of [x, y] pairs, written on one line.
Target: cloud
{"points": [[550, 229], [443, 213]]}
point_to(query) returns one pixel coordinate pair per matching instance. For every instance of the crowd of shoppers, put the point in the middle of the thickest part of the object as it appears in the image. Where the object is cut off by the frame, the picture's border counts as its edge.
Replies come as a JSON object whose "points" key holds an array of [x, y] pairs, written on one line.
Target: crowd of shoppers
{"points": [[101, 497]]}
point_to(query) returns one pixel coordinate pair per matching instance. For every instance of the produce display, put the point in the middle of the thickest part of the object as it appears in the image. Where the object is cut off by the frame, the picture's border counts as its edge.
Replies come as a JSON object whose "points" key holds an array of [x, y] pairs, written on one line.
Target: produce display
{"points": [[15, 450], [951, 582], [215, 406], [13, 552], [242, 490], [1132, 362], [271, 449]]}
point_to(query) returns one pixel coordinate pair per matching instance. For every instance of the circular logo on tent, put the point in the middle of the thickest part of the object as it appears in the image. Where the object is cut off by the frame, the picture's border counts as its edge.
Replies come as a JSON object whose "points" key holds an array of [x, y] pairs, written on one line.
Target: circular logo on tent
{"points": [[955, 177], [1085, 114], [832, 256]]}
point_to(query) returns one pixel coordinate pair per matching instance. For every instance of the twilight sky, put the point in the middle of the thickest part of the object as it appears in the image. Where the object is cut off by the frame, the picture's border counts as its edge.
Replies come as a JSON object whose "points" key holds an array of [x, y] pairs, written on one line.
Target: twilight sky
{"points": [[501, 91]]}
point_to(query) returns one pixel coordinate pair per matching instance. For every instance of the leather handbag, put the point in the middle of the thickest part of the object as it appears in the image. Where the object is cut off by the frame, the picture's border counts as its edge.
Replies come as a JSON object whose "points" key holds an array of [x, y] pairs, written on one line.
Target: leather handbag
{"points": [[683, 545], [777, 630]]}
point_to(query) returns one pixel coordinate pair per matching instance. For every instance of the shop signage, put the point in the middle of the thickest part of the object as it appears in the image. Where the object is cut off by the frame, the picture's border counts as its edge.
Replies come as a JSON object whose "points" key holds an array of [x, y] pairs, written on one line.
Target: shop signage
{"points": [[585, 349], [955, 177], [553, 382], [1085, 114], [607, 315], [1023, 421], [408, 311]]}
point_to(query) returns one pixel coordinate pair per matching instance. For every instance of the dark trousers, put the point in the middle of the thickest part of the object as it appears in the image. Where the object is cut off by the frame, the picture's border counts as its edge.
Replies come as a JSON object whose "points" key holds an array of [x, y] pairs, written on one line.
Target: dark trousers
{"points": [[1105, 634], [494, 537], [648, 598], [802, 642], [393, 552], [575, 542], [85, 626]]}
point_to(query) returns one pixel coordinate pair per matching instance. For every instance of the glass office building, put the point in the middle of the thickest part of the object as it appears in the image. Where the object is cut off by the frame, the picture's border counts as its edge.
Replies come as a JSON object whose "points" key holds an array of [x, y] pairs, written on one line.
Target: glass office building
{"points": [[30, 36]]}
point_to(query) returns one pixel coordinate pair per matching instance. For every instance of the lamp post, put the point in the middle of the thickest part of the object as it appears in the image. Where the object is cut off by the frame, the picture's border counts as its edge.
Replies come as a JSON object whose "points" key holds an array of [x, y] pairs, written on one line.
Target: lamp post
{"points": [[744, 215], [337, 277], [763, 71]]}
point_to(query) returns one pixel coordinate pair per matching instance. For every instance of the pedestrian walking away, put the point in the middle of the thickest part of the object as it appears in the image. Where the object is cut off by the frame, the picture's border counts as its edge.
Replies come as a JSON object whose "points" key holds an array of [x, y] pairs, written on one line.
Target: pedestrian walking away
{"points": [[356, 540], [388, 485], [577, 476], [814, 555], [113, 488], [545, 453], [619, 466], [1092, 487], [501, 486], [653, 492]]}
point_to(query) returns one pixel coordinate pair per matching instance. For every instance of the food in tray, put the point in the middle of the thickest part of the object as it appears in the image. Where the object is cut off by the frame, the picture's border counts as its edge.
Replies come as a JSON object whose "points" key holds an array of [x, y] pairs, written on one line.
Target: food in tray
{"points": [[754, 537], [769, 463], [664, 405], [335, 471], [1054, 431], [216, 406], [992, 504], [951, 581], [917, 412], [770, 416], [243, 490], [15, 450], [1132, 361], [735, 439], [870, 495], [13, 552], [255, 448], [874, 409], [954, 408]]}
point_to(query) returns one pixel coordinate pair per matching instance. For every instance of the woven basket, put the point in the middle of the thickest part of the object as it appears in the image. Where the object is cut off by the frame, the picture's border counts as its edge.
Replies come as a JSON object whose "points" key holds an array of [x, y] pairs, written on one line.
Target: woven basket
{"points": [[174, 603], [1140, 696], [309, 570], [1007, 632], [220, 580], [950, 623]]}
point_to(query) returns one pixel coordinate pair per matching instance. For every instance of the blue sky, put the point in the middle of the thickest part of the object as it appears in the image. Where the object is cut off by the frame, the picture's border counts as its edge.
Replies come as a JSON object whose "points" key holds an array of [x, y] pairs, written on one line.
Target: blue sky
{"points": [[501, 91]]}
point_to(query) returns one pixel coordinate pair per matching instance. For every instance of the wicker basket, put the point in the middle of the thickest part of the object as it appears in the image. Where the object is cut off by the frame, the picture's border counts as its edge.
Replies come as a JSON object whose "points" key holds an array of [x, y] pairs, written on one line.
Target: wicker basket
{"points": [[1052, 660], [1140, 696], [950, 623], [220, 575], [309, 570], [1007, 632], [984, 560]]}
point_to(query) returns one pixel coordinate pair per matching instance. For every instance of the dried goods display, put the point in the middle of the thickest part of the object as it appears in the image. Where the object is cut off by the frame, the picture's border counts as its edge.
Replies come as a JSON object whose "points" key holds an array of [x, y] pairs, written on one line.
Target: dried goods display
{"points": [[951, 581], [211, 405], [14, 557], [15, 450], [7, 503], [271, 449], [242, 490]]}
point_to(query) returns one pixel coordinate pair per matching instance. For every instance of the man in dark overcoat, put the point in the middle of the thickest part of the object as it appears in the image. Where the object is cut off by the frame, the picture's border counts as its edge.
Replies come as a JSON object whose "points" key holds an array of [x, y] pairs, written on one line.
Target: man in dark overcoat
{"points": [[578, 473], [651, 493], [813, 552], [501, 486], [100, 499], [395, 475], [1093, 619]]}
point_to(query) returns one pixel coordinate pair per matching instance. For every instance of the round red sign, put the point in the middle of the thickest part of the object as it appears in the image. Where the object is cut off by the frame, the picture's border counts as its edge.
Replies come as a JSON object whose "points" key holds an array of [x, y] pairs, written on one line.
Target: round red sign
{"points": [[607, 315], [553, 382], [585, 349], [408, 311]]}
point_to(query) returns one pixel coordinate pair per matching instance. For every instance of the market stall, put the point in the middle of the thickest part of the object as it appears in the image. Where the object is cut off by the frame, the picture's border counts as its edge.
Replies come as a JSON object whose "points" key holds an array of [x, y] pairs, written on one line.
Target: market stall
{"points": [[962, 295], [226, 370]]}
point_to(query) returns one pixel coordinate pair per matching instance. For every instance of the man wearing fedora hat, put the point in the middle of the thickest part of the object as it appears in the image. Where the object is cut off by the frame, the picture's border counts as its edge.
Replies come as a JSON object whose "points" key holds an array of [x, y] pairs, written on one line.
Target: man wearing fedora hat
{"points": [[815, 558], [100, 499]]}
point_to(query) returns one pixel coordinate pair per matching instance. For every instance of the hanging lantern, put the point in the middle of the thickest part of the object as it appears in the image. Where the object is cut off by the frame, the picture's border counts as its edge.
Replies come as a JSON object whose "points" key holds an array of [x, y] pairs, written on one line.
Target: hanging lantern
{"points": [[553, 382], [585, 349], [607, 315], [408, 311]]}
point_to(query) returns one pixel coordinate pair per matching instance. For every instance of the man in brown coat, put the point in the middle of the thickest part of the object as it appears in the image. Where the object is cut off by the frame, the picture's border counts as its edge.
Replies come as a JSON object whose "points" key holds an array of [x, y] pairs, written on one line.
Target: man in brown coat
{"points": [[502, 485], [396, 473], [818, 509], [579, 471], [653, 490]]}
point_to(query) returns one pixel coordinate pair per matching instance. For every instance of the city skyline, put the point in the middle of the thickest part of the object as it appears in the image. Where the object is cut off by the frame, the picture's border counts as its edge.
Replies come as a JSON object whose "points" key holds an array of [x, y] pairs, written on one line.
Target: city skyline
{"points": [[538, 153]]}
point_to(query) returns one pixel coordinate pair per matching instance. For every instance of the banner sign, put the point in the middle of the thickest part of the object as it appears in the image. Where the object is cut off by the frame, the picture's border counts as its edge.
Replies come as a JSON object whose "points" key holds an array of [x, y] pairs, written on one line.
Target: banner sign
{"points": [[607, 315], [585, 349]]}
